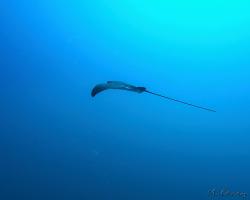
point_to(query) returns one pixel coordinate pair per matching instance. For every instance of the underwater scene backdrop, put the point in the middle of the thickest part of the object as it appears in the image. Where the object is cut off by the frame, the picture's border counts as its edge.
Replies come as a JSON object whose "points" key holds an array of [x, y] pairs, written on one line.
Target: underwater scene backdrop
{"points": [[57, 142]]}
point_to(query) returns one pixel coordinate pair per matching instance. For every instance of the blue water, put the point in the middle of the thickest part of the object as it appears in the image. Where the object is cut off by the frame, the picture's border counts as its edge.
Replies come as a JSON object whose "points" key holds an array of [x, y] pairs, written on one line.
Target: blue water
{"points": [[57, 142]]}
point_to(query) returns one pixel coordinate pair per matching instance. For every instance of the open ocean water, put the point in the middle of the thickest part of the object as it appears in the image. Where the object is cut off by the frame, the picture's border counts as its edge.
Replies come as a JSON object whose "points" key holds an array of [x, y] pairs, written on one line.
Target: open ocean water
{"points": [[59, 143]]}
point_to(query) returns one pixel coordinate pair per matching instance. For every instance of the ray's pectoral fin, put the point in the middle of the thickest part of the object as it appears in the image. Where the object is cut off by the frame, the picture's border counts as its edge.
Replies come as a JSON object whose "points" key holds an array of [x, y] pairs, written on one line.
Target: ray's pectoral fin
{"points": [[98, 88]]}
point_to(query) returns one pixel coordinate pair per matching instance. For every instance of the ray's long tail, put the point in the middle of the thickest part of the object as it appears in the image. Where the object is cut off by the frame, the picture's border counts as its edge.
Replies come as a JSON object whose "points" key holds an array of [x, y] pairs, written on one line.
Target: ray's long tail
{"points": [[172, 99]]}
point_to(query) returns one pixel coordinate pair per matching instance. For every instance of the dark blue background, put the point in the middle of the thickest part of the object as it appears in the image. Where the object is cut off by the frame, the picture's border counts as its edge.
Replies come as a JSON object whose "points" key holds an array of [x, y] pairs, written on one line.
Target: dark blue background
{"points": [[56, 142]]}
